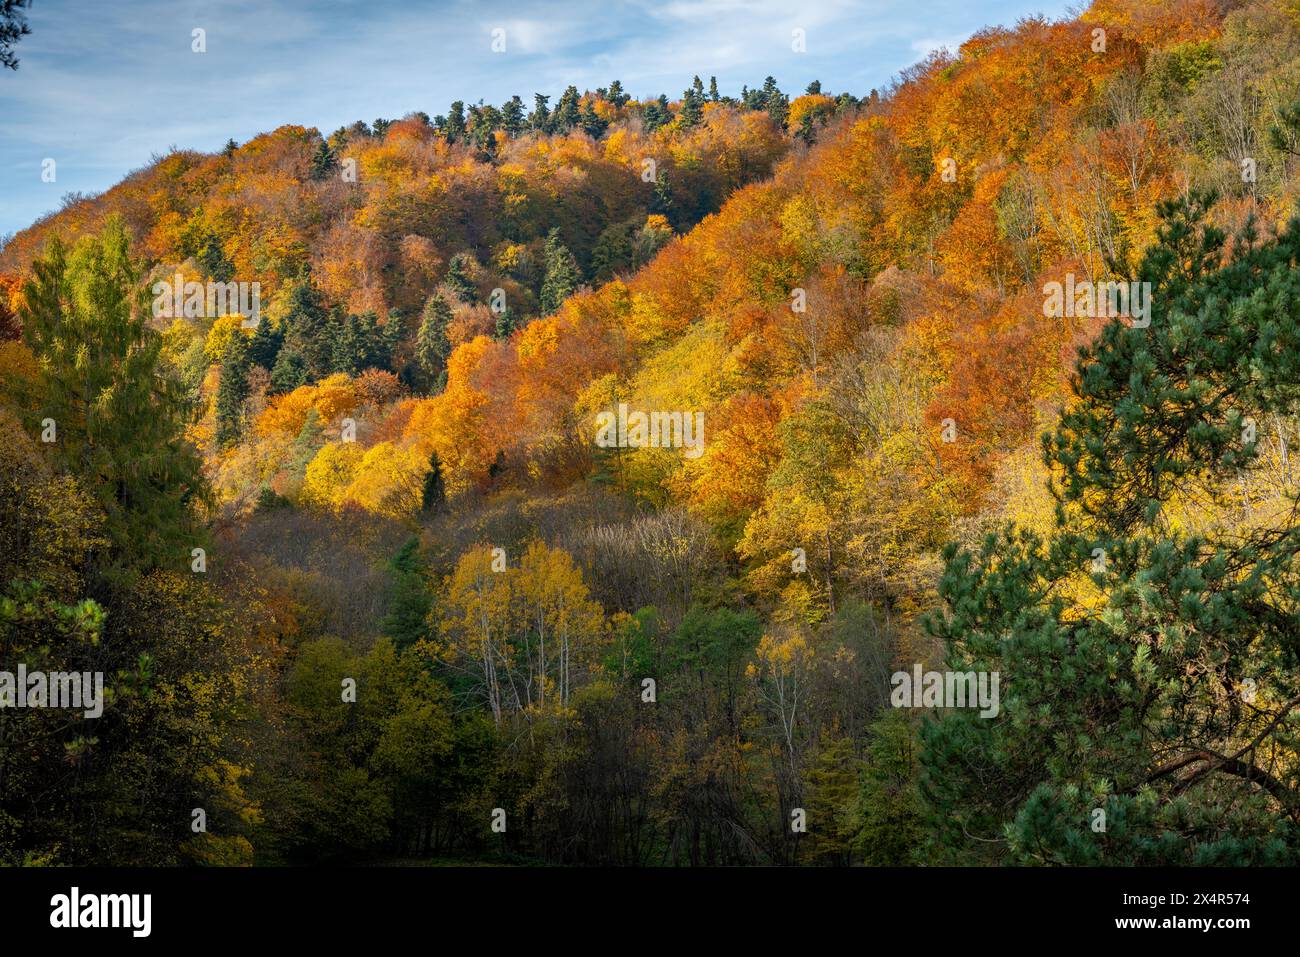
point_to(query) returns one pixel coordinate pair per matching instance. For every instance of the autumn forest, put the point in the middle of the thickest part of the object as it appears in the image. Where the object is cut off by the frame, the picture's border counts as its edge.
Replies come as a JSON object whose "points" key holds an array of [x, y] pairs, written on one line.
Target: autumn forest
{"points": [[600, 480]]}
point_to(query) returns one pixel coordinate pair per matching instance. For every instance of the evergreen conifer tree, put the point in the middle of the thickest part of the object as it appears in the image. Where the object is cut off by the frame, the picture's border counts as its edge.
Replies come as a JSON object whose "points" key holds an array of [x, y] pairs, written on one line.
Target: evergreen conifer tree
{"points": [[119, 421], [561, 278], [1146, 666]]}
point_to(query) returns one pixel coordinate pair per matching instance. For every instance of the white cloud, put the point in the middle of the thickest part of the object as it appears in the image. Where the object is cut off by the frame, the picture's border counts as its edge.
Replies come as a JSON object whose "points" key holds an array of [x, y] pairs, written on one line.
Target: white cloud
{"points": [[924, 47]]}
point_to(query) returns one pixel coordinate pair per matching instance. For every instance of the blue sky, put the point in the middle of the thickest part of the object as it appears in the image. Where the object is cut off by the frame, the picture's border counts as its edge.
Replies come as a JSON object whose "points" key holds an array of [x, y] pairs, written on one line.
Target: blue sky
{"points": [[103, 85]]}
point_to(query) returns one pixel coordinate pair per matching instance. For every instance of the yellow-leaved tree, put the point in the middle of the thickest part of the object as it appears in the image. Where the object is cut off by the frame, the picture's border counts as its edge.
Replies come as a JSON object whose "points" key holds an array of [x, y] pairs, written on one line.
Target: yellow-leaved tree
{"points": [[529, 634]]}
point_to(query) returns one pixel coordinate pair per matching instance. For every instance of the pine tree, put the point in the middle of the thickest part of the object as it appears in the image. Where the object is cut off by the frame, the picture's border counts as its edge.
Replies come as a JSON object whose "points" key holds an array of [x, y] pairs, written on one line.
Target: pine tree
{"points": [[212, 259], [889, 819], [505, 324], [389, 339], [232, 390], [776, 103], [431, 344], [306, 443], [561, 278], [540, 118], [1142, 662], [692, 111], [612, 252], [13, 27], [661, 199], [347, 344], [307, 330], [268, 500], [458, 280], [433, 499], [713, 89], [454, 128], [484, 121], [264, 348], [374, 348], [120, 420], [359, 342], [289, 372], [807, 132], [657, 114], [592, 123], [410, 600], [831, 783], [566, 114], [513, 120], [779, 109], [323, 161]]}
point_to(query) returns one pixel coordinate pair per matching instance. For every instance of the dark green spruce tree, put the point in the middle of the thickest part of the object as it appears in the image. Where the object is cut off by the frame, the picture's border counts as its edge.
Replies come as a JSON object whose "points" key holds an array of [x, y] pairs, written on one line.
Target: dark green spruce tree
{"points": [[289, 371], [657, 113], [431, 344], [505, 324], [454, 128], [323, 161], [232, 390], [692, 111], [409, 598], [346, 346], [775, 102], [264, 348], [592, 124], [540, 118], [307, 332], [433, 499], [661, 198], [458, 279], [561, 277], [566, 113], [513, 119]]}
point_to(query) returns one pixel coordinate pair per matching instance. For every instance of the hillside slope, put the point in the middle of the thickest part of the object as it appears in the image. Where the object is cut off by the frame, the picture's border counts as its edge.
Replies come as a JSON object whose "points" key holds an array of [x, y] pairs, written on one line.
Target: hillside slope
{"points": [[418, 480]]}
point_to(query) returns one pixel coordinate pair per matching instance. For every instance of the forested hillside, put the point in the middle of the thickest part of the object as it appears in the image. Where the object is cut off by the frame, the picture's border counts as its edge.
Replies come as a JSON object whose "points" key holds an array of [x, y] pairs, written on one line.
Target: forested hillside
{"points": [[366, 583]]}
